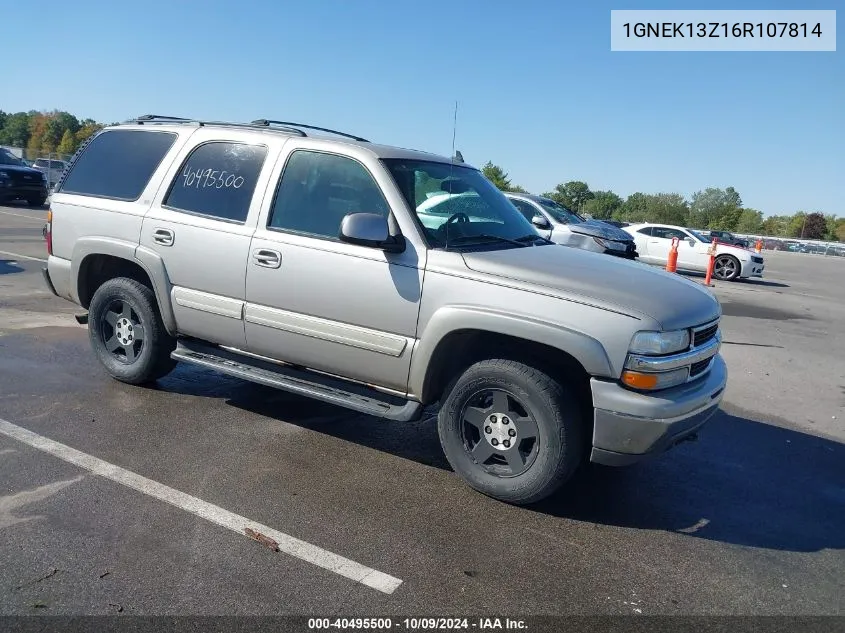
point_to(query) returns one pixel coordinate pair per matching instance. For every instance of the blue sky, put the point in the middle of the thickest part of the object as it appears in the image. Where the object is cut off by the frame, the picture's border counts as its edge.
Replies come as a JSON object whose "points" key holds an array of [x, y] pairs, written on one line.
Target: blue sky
{"points": [[539, 91]]}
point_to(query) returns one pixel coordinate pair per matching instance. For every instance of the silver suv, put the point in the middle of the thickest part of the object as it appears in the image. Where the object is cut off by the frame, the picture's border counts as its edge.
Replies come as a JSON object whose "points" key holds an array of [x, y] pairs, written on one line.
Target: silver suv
{"points": [[382, 280]]}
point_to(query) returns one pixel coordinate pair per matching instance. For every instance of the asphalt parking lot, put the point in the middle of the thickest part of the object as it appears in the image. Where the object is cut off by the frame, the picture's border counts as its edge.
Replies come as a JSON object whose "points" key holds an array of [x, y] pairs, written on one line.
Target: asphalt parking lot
{"points": [[748, 520]]}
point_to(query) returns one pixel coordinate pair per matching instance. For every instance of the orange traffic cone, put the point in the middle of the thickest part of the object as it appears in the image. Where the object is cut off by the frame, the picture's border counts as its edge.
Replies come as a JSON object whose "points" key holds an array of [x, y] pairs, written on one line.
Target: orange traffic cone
{"points": [[711, 264], [758, 246], [672, 262]]}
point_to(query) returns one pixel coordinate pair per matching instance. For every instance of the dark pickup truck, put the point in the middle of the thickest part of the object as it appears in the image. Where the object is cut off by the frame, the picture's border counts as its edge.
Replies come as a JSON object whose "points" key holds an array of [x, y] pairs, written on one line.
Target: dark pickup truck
{"points": [[19, 182]]}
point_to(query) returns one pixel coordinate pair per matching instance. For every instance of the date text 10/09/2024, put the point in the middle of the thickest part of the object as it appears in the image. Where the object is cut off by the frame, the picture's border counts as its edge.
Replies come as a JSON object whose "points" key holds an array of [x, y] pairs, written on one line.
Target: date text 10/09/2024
{"points": [[417, 624], [722, 29]]}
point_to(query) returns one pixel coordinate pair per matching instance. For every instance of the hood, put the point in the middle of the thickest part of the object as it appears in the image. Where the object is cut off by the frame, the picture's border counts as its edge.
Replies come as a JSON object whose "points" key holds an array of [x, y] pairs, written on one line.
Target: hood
{"points": [[20, 169], [597, 228], [626, 286]]}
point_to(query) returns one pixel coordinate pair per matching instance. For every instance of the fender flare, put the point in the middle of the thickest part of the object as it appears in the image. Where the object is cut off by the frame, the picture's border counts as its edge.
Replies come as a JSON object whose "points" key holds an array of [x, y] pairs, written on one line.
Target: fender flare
{"points": [[588, 351], [149, 261]]}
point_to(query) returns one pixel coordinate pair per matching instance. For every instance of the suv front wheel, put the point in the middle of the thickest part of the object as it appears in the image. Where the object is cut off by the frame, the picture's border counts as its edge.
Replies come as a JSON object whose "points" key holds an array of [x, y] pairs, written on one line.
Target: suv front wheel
{"points": [[511, 431], [127, 333]]}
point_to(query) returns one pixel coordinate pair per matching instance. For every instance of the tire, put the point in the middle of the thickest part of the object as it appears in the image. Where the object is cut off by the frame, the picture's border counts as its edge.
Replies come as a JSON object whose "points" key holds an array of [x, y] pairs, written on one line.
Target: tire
{"points": [[36, 202], [530, 469], [119, 310], [730, 268]]}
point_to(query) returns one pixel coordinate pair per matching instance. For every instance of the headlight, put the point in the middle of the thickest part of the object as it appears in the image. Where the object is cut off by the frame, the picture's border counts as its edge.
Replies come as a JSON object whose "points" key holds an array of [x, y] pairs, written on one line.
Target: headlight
{"points": [[653, 381], [610, 244], [659, 343], [43, 176]]}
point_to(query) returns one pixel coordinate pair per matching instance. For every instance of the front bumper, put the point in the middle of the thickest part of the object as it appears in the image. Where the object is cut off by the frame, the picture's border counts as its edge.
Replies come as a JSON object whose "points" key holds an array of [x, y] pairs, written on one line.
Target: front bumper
{"points": [[632, 426], [23, 191]]}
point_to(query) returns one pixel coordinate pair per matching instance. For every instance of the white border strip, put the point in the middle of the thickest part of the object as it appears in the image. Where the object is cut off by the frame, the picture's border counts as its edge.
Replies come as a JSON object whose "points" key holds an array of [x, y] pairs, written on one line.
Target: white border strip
{"points": [[19, 256], [215, 514]]}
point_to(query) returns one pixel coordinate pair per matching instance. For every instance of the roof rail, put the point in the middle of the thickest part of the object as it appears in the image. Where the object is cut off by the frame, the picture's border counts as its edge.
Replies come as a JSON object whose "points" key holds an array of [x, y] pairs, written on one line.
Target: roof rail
{"points": [[160, 118], [289, 125]]}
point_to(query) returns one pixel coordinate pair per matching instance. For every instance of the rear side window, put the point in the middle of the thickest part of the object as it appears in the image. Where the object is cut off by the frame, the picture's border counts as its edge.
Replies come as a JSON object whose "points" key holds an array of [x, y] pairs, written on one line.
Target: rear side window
{"points": [[118, 164], [218, 180]]}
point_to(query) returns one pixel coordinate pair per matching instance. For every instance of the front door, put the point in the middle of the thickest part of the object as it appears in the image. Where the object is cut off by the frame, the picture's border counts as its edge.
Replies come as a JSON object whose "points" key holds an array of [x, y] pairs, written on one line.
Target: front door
{"points": [[315, 301]]}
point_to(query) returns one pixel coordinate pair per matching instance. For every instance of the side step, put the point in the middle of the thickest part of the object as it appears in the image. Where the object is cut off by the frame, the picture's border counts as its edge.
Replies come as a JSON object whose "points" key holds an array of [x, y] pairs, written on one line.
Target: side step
{"points": [[318, 386]]}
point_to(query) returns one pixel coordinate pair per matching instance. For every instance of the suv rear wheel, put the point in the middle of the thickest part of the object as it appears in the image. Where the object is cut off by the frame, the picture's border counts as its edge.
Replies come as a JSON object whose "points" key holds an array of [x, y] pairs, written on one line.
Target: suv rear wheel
{"points": [[511, 431], [127, 333]]}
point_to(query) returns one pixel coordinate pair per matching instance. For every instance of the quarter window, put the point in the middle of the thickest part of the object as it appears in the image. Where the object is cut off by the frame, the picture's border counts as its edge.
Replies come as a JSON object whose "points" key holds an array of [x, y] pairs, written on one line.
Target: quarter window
{"points": [[218, 180], [117, 164], [318, 190]]}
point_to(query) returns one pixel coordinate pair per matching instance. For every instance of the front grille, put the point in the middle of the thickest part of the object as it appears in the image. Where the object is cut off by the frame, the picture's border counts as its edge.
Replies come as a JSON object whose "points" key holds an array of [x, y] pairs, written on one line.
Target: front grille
{"points": [[696, 368], [24, 177], [702, 336], [756, 259]]}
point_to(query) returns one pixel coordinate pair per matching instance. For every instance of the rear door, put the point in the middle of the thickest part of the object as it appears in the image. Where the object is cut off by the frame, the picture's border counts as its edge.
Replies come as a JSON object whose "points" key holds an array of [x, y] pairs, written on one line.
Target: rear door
{"points": [[201, 224]]}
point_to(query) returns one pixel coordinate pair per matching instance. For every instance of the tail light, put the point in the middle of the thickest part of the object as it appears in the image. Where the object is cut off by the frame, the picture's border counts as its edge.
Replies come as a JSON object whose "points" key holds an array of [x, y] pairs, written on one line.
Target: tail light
{"points": [[48, 232]]}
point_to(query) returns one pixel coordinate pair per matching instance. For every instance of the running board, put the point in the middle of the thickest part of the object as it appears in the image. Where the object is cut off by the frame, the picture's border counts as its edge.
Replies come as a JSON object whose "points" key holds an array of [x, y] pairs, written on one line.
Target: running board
{"points": [[318, 386]]}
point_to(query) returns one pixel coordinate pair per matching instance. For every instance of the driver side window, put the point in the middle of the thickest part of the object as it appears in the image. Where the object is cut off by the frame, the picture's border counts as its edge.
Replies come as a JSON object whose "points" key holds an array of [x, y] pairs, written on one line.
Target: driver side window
{"points": [[525, 209], [317, 190], [667, 233]]}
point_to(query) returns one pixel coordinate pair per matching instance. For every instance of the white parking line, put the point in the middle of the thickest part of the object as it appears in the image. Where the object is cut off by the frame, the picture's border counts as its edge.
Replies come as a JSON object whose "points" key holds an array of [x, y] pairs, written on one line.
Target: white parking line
{"points": [[28, 217], [210, 512], [19, 256]]}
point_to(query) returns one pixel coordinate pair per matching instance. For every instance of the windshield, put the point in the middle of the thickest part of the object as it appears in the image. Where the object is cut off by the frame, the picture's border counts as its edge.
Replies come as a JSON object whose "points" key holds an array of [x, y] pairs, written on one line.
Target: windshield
{"points": [[7, 158], [561, 213], [699, 237], [457, 205]]}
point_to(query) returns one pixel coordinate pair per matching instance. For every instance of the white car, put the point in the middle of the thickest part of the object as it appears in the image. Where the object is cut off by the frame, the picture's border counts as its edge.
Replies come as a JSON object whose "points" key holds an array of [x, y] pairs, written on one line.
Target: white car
{"points": [[52, 168], [732, 262]]}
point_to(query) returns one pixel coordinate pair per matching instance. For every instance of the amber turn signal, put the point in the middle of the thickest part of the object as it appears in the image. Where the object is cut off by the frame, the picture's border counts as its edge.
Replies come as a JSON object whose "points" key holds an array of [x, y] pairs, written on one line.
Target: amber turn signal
{"points": [[637, 380]]}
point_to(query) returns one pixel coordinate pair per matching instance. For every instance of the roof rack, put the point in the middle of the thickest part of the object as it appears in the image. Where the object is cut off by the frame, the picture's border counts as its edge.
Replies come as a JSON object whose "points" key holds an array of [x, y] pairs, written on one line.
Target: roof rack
{"points": [[289, 125], [161, 118]]}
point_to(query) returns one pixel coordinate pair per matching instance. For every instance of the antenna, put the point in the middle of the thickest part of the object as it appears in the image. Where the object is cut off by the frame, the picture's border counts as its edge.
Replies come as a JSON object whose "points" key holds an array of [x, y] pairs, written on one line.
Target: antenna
{"points": [[454, 127]]}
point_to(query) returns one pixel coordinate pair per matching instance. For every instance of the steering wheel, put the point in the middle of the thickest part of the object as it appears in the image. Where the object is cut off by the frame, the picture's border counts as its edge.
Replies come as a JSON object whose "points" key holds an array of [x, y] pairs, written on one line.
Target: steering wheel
{"points": [[460, 217]]}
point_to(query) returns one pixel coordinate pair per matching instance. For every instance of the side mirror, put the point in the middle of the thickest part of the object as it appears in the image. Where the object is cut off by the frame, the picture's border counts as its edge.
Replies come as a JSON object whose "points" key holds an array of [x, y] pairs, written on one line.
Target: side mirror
{"points": [[540, 222], [690, 241], [370, 229]]}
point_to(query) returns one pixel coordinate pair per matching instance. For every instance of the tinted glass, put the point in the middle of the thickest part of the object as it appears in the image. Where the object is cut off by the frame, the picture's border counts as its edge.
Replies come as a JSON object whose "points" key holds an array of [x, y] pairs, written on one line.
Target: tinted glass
{"points": [[218, 180], [458, 206], [668, 234], [7, 158], [118, 164], [525, 209], [645, 230], [561, 213], [318, 190]]}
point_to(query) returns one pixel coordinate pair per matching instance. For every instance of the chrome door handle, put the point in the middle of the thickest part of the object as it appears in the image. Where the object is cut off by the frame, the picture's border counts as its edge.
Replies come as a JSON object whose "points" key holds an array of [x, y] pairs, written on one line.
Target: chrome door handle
{"points": [[164, 237], [267, 258]]}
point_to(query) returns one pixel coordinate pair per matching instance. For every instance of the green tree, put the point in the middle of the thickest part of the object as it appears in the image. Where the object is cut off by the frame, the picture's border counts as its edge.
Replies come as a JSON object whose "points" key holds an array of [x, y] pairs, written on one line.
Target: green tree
{"points": [[499, 177], [776, 226], [840, 231], [666, 208], [88, 128], [15, 131], [716, 208], [572, 195], [496, 175], [68, 143], [810, 226], [603, 205], [750, 221]]}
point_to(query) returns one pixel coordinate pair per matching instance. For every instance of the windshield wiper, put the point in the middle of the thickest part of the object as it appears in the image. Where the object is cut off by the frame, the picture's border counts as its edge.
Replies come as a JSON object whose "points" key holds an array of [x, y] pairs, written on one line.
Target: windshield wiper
{"points": [[467, 239], [534, 238]]}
